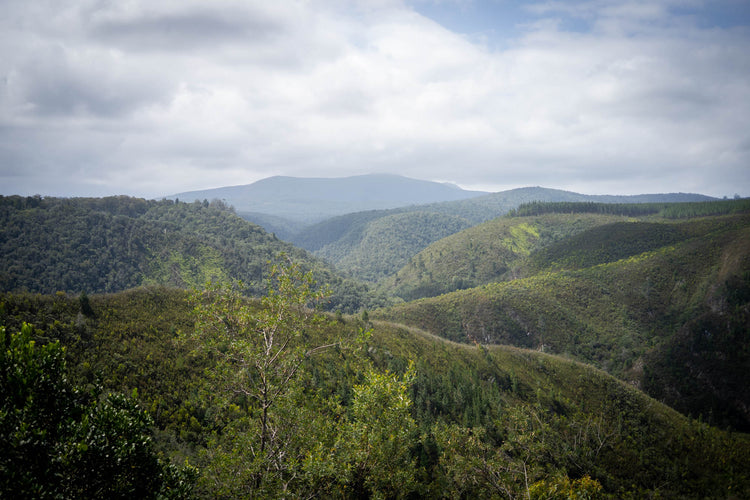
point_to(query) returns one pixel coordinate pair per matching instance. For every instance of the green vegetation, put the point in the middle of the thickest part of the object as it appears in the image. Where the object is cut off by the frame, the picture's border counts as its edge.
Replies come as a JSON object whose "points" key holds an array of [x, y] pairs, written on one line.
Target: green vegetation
{"points": [[274, 397], [60, 441], [657, 304], [667, 210], [373, 245], [490, 252], [117, 243], [386, 243], [362, 420]]}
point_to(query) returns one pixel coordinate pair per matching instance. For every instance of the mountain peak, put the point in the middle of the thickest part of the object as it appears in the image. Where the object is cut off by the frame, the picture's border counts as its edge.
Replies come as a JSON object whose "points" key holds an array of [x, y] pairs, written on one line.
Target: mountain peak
{"points": [[310, 199]]}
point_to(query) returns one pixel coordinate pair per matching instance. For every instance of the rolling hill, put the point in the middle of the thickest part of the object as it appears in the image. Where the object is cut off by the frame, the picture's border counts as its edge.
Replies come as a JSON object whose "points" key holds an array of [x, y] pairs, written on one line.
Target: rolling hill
{"points": [[346, 240], [565, 349], [659, 303], [112, 244], [483, 417]]}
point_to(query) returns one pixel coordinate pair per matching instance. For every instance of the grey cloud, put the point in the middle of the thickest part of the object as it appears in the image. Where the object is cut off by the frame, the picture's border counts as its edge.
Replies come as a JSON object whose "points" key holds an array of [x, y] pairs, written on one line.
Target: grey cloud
{"points": [[198, 29], [151, 98], [62, 89]]}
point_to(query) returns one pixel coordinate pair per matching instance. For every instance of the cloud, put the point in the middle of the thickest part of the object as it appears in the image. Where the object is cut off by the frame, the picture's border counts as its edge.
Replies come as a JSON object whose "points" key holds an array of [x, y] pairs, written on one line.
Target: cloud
{"points": [[152, 98]]}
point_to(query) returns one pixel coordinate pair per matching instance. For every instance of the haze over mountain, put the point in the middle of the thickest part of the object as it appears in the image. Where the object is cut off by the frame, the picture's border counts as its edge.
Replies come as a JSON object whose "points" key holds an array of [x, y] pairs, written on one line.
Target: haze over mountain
{"points": [[312, 199], [291, 207]]}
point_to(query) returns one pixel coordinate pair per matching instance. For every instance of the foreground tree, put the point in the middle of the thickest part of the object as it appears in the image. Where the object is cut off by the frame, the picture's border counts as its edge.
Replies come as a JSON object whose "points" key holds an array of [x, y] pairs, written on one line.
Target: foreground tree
{"points": [[367, 454], [59, 441], [259, 349]]}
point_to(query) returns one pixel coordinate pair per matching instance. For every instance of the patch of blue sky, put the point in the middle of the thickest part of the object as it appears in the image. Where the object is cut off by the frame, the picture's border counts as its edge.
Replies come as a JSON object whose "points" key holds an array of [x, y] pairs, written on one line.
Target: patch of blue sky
{"points": [[496, 23], [491, 22], [721, 14]]}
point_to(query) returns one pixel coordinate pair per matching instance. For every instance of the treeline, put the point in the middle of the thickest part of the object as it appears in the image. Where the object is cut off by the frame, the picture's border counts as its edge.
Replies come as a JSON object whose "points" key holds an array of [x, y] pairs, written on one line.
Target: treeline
{"points": [[667, 210], [116, 243]]}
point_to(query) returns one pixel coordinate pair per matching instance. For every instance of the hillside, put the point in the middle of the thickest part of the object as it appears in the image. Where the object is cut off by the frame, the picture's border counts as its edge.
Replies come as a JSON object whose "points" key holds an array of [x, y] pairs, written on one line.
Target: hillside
{"points": [[662, 303], [310, 200], [479, 418], [346, 240], [489, 252], [113, 244], [500, 249], [371, 250]]}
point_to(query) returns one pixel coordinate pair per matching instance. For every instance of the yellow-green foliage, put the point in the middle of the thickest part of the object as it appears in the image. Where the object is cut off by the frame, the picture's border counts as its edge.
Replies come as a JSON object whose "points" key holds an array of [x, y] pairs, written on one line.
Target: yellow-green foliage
{"points": [[523, 237], [185, 270], [489, 252]]}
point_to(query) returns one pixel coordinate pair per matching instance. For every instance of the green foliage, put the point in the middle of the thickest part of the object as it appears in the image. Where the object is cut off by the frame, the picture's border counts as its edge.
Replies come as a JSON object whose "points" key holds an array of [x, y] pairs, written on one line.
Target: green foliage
{"points": [[116, 243], [668, 210], [468, 419], [606, 243], [629, 297], [563, 488], [494, 251], [61, 442], [370, 454], [378, 246], [258, 350]]}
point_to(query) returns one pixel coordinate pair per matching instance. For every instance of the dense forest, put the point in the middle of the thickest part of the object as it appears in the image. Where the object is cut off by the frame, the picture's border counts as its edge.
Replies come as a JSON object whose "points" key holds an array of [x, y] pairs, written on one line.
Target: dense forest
{"points": [[663, 305], [562, 351], [112, 244], [373, 245], [372, 409]]}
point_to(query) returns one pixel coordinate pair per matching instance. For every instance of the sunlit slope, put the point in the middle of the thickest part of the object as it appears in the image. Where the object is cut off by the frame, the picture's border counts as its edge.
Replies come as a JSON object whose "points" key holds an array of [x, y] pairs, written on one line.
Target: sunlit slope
{"points": [[624, 297], [492, 251]]}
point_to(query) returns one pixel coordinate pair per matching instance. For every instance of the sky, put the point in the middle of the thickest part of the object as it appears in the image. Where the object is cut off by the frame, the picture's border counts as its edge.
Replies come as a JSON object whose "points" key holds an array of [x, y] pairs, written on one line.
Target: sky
{"points": [[145, 98]]}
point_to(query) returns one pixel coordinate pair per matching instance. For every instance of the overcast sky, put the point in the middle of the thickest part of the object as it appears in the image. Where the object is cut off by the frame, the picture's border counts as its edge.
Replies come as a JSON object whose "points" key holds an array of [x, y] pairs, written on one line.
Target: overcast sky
{"points": [[150, 98]]}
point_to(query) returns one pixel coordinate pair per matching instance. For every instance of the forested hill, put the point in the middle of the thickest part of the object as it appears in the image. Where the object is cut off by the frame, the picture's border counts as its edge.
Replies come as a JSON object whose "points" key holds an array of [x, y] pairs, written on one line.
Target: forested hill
{"points": [[467, 421], [373, 245], [111, 244], [662, 303]]}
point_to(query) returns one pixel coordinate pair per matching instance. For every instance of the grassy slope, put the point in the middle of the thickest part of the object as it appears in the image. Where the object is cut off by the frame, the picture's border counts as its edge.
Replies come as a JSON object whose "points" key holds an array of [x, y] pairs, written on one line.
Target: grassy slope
{"points": [[492, 251], [643, 445]]}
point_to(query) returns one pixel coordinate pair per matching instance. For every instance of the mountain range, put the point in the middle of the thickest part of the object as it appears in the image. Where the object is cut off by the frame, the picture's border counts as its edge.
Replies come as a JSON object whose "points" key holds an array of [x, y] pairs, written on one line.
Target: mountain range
{"points": [[312, 199], [369, 225]]}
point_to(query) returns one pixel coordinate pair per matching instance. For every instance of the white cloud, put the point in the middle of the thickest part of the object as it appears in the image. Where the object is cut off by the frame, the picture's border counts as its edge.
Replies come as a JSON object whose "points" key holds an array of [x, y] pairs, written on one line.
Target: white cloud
{"points": [[153, 98]]}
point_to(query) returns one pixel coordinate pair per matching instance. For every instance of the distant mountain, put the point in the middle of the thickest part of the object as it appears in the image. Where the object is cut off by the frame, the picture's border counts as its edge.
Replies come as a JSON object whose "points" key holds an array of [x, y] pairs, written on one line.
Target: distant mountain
{"points": [[312, 200]]}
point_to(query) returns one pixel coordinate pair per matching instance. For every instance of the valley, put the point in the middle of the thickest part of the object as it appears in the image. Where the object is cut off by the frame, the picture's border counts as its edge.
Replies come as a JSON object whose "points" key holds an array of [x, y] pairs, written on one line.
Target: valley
{"points": [[522, 343]]}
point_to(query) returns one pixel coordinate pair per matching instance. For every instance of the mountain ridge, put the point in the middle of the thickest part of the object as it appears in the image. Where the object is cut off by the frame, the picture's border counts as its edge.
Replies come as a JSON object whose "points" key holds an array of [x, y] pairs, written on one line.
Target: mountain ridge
{"points": [[312, 199]]}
